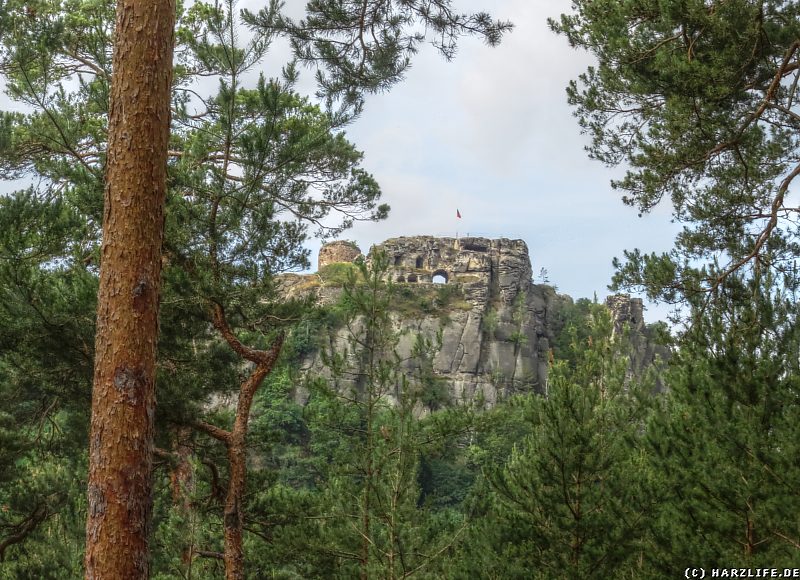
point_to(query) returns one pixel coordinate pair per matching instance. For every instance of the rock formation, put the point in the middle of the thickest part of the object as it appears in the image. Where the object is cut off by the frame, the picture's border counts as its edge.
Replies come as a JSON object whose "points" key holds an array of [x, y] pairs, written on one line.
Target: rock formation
{"points": [[496, 338], [337, 252], [498, 342], [628, 315]]}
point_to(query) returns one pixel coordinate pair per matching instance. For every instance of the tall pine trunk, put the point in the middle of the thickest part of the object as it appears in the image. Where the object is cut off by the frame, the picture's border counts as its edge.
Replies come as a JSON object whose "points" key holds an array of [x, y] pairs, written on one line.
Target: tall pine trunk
{"points": [[123, 397]]}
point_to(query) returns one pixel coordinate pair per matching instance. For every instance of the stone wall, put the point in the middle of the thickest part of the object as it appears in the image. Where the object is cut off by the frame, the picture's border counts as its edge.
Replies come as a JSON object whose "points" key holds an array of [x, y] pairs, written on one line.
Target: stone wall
{"points": [[336, 252], [502, 262]]}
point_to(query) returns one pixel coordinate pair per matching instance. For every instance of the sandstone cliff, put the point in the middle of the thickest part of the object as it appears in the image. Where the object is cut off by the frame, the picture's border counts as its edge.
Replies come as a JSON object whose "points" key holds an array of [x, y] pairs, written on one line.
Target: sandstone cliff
{"points": [[497, 336]]}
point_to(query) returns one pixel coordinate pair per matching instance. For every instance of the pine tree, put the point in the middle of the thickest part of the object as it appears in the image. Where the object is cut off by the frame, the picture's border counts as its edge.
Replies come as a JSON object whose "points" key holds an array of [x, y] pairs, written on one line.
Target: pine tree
{"points": [[724, 443], [123, 394], [572, 500], [700, 101], [366, 422], [46, 330], [70, 140]]}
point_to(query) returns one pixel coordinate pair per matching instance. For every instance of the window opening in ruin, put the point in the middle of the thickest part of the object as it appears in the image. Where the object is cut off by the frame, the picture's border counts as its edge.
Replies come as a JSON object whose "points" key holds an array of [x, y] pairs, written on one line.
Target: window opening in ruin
{"points": [[419, 262], [474, 246], [401, 278], [398, 260], [412, 278], [439, 277]]}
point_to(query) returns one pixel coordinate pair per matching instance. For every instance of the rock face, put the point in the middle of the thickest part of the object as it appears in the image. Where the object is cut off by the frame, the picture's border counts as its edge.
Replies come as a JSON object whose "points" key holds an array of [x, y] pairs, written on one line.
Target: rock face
{"points": [[628, 313], [336, 252], [497, 339]]}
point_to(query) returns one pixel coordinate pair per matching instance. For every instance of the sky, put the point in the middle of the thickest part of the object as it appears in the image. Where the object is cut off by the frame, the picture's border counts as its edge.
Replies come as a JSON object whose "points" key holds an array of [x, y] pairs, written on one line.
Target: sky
{"points": [[490, 134]]}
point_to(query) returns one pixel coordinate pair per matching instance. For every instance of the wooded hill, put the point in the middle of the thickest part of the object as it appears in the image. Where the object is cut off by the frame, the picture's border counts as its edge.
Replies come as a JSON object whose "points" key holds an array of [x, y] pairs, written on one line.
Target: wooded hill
{"points": [[146, 251]]}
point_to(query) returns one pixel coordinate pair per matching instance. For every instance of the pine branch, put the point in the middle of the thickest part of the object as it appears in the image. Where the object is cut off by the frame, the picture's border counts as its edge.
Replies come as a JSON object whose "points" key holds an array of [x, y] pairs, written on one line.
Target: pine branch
{"points": [[260, 357], [24, 528], [213, 431], [208, 554]]}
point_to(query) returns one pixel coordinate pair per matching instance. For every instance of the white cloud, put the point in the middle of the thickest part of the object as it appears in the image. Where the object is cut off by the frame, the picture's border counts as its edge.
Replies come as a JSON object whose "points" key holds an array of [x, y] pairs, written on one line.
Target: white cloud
{"points": [[491, 134]]}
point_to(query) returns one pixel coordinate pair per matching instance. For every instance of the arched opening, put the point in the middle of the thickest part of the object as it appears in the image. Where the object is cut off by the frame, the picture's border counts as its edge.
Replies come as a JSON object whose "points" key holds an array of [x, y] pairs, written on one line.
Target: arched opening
{"points": [[439, 277], [401, 278], [412, 278], [398, 260], [419, 262]]}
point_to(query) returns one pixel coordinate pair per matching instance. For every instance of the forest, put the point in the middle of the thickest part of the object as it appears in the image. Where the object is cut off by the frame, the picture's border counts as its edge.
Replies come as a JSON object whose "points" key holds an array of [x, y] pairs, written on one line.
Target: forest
{"points": [[150, 358]]}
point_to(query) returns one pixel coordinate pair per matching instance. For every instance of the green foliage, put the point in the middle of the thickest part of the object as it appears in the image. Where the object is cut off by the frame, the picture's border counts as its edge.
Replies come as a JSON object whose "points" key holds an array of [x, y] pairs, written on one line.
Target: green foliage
{"points": [[725, 438], [489, 322], [43, 508], [518, 312], [572, 326], [378, 473], [365, 425], [357, 61], [518, 338], [444, 481], [46, 350], [413, 300], [338, 274], [570, 500], [699, 101], [253, 166]]}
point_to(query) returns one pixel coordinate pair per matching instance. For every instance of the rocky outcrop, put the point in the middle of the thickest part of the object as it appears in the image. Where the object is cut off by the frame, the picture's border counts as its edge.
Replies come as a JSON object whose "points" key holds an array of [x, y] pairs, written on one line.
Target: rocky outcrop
{"points": [[645, 350], [497, 342], [496, 336], [337, 252]]}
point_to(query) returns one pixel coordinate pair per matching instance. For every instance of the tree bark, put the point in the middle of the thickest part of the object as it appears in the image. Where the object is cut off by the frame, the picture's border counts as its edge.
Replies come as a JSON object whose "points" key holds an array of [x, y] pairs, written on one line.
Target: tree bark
{"points": [[235, 441], [182, 482], [123, 396], [237, 463]]}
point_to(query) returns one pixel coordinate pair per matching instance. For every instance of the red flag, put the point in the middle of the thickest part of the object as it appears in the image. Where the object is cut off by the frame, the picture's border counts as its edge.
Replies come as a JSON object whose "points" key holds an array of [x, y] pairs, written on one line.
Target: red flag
{"points": [[458, 214]]}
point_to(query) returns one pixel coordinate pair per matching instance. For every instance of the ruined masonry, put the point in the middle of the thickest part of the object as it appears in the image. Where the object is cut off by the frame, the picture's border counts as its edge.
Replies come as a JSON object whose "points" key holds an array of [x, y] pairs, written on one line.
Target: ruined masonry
{"points": [[498, 340]]}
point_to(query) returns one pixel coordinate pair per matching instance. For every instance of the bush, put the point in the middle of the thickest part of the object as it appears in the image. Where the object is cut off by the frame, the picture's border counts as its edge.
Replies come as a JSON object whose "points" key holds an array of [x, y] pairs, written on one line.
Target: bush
{"points": [[338, 274]]}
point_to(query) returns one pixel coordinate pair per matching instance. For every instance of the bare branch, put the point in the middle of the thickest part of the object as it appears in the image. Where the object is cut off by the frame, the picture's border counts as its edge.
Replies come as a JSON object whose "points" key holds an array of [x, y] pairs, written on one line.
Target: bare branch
{"points": [[777, 207], [794, 543], [213, 431], [260, 357]]}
